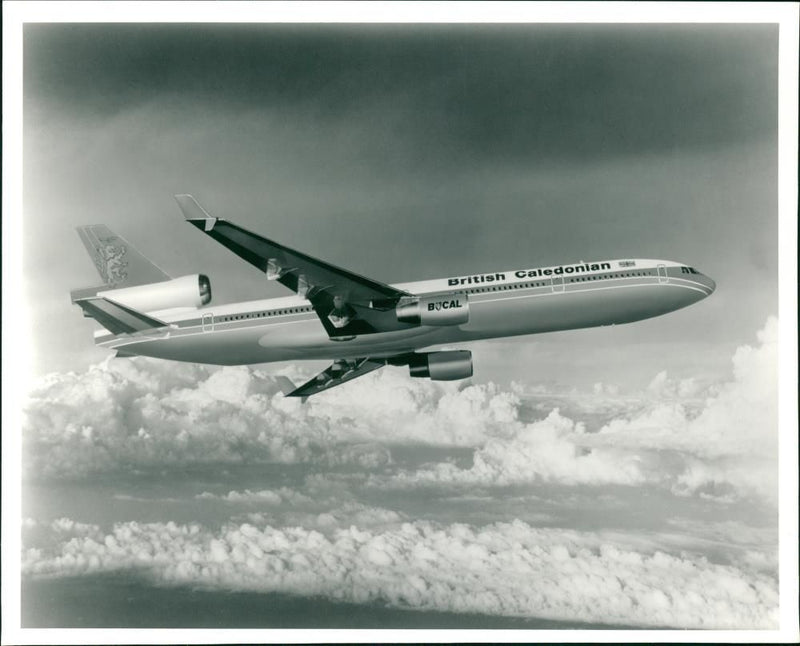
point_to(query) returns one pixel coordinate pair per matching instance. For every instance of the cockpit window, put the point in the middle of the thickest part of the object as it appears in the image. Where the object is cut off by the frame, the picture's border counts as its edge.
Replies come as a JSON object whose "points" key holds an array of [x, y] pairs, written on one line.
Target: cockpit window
{"points": [[689, 270]]}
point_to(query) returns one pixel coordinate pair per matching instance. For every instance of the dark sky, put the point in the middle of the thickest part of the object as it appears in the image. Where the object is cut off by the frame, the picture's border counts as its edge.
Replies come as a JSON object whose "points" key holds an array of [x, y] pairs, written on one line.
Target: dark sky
{"points": [[480, 92], [408, 152]]}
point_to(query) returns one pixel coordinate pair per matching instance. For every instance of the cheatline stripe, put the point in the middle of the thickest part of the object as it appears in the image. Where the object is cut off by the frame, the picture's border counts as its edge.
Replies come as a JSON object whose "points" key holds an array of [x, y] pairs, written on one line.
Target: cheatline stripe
{"points": [[229, 326]]}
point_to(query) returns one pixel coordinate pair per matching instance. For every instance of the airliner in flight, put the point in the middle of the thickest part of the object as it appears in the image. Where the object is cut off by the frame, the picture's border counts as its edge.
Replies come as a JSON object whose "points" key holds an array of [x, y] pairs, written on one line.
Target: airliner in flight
{"points": [[358, 323]]}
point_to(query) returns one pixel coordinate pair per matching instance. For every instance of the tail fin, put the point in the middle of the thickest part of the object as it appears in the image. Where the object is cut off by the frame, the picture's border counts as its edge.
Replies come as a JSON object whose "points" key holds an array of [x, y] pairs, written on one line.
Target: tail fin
{"points": [[118, 261]]}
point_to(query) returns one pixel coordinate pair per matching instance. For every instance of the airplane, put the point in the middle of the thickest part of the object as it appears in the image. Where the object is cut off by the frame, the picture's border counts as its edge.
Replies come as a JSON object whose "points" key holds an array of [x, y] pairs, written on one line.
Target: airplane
{"points": [[359, 323]]}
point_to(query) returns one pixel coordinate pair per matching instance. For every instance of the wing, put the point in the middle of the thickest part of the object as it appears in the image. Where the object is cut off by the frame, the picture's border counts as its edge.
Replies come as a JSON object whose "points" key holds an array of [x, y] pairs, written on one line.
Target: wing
{"points": [[336, 374], [346, 303]]}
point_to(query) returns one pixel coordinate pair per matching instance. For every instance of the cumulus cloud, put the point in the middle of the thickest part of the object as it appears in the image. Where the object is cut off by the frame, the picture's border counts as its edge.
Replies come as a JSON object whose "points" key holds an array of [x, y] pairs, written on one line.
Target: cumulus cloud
{"points": [[605, 389], [283, 495], [724, 450], [664, 387], [141, 412], [719, 442], [732, 443], [504, 569], [335, 514], [542, 451], [741, 417], [331, 536]]}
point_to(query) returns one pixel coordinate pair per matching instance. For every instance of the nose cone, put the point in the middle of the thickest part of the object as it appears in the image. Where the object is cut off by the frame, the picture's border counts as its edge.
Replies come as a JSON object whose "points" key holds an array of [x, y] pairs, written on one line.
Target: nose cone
{"points": [[708, 283]]}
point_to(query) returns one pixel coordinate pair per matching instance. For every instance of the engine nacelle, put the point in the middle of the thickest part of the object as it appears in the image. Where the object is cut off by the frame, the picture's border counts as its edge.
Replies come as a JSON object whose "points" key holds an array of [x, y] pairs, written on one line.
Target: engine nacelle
{"points": [[186, 291], [445, 309], [442, 366]]}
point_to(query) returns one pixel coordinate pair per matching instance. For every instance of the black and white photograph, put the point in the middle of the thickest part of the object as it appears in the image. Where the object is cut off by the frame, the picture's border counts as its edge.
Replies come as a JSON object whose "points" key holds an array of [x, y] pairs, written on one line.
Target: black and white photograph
{"points": [[471, 319]]}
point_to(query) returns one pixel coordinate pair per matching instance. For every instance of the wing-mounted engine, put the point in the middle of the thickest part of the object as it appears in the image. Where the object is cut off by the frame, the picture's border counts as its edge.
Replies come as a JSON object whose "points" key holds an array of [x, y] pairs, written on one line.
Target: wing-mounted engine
{"points": [[442, 309], [447, 365], [186, 291]]}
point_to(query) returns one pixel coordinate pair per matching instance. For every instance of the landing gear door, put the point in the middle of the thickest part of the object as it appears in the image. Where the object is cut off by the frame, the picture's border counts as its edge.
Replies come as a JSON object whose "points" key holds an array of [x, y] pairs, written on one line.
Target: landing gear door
{"points": [[662, 274], [208, 322]]}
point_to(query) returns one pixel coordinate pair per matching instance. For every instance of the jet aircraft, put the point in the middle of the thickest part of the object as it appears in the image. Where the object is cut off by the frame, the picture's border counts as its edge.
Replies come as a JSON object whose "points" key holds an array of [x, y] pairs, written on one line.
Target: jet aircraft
{"points": [[359, 323]]}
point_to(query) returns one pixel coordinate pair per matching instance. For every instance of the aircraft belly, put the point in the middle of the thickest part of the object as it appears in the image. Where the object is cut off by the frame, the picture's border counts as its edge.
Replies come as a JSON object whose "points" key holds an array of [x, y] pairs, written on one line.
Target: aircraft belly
{"points": [[311, 342], [282, 342], [228, 347]]}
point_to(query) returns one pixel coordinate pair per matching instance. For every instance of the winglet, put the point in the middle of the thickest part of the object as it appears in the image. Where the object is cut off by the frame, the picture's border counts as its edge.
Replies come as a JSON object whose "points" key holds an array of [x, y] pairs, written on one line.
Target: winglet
{"points": [[287, 387], [195, 213]]}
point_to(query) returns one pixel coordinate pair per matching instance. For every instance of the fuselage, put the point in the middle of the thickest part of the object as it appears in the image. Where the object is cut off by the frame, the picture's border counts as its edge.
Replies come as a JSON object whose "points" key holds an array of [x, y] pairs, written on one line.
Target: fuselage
{"points": [[501, 304]]}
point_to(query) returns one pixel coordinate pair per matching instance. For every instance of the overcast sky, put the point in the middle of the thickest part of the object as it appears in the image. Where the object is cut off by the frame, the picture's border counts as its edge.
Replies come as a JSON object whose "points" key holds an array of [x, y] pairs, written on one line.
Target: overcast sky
{"points": [[620, 476], [408, 153]]}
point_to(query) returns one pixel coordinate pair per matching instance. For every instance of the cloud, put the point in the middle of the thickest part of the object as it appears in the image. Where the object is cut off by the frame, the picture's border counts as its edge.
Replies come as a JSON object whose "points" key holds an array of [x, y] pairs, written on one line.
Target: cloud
{"points": [[138, 413], [503, 569], [741, 417], [662, 387], [541, 451], [718, 442], [722, 451], [326, 514], [755, 546], [283, 495], [334, 537], [732, 443]]}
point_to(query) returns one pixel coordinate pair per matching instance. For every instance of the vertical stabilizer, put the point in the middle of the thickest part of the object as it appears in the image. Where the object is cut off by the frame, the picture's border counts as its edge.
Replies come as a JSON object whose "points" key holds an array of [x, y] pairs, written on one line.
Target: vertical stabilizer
{"points": [[118, 262]]}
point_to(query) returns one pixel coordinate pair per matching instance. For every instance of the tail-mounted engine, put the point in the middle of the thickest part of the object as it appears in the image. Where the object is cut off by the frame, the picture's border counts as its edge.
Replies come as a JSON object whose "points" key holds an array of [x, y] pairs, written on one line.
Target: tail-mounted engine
{"points": [[186, 291], [444, 309], [441, 366]]}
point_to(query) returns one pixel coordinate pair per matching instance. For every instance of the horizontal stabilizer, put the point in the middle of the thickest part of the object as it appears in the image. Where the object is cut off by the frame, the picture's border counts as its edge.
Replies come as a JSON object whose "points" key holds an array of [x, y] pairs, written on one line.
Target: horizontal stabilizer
{"points": [[117, 318]]}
